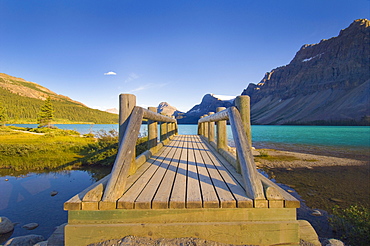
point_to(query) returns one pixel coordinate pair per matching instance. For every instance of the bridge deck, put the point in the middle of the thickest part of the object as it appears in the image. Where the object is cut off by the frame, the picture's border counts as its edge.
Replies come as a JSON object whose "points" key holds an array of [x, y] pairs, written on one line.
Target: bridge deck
{"points": [[185, 173]]}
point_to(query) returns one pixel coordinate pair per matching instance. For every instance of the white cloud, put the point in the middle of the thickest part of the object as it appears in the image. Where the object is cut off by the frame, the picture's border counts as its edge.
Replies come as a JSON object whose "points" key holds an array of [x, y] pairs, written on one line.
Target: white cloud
{"points": [[110, 73]]}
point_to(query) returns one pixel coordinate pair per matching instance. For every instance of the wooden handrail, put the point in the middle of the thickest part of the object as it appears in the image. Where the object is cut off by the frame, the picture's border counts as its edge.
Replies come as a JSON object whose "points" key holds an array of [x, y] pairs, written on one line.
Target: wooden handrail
{"points": [[247, 167], [125, 161]]}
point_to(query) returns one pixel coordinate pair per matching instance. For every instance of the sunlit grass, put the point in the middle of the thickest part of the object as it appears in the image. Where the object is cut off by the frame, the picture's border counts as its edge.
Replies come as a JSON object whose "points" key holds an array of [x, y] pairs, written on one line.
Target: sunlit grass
{"points": [[56, 148]]}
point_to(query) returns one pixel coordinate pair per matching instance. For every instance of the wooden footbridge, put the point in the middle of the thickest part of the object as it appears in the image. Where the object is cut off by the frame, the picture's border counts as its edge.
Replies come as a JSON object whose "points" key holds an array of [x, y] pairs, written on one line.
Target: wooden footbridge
{"points": [[185, 186]]}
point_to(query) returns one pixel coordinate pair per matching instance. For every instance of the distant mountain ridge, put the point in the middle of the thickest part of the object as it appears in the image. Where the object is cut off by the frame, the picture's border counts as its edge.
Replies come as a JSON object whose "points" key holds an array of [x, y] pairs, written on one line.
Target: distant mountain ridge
{"points": [[325, 83], [209, 103], [23, 99]]}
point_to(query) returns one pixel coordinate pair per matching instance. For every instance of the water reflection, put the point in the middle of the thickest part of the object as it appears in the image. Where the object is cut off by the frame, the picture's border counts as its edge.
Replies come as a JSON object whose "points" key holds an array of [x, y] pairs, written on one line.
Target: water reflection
{"points": [[26, 197]]}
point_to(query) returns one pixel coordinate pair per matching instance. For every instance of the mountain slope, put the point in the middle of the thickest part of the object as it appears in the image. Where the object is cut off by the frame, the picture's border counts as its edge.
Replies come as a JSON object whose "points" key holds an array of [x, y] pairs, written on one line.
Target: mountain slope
{"points": [[23, 99], [325, 83]]}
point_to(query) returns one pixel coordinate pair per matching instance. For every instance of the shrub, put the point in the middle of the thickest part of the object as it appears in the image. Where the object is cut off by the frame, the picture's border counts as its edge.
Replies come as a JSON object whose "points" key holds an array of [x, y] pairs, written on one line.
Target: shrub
{"points": [[352, 224]]}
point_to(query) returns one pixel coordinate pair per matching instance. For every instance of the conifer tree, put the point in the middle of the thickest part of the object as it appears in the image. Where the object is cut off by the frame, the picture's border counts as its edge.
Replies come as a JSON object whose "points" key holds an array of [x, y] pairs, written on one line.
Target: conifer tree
{"points": [[3, 115], [46, 114]]}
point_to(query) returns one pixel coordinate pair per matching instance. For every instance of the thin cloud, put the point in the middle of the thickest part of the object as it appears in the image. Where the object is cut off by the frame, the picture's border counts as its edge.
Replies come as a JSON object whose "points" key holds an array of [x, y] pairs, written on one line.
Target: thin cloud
{"points": [[146, 87], [131, 77], [110, 73]]}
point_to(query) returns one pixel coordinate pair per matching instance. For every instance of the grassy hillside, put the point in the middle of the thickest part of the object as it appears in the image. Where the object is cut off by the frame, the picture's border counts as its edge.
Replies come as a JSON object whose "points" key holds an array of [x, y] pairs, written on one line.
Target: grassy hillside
{"points": [[23, 100]]}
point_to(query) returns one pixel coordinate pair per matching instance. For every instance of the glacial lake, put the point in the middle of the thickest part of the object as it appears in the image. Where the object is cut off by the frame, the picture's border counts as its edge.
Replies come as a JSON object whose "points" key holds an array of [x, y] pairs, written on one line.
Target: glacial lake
{"points": [[25, 197]]}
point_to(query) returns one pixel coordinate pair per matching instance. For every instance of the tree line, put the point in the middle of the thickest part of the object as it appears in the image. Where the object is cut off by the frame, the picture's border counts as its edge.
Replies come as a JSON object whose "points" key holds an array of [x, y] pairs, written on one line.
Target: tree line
{"points": [[18, 108]]}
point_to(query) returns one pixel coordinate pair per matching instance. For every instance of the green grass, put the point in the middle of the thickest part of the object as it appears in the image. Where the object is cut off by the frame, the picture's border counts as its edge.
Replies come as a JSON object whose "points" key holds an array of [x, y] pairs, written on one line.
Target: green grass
{"points": [[274, 158], [26, 151], [46, 149]]}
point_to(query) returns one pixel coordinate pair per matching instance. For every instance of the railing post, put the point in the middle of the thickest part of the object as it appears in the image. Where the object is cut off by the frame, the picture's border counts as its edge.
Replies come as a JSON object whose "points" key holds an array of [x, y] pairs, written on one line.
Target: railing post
{"points": [[152, 131], [242, 103], [221, 132], [127, 102], [205, 128], [163, 131], [211, 130], [200, 127]]}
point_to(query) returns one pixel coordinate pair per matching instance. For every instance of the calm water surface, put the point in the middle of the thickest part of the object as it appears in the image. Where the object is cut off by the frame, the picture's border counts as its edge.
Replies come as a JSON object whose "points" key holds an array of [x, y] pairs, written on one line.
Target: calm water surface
{"points": [[25, 197]]}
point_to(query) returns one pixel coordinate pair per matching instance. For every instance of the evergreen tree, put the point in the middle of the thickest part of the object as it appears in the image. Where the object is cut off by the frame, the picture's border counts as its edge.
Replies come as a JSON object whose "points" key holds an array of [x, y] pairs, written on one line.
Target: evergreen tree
{"points": [[46, 114], [3, 115]]}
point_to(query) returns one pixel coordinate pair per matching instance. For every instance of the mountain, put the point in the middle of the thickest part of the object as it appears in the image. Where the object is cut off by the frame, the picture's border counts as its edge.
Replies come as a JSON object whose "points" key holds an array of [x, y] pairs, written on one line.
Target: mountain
{"points": [[325, 83], [112, 111], [167, 109], [210, 103], [23, 99]]}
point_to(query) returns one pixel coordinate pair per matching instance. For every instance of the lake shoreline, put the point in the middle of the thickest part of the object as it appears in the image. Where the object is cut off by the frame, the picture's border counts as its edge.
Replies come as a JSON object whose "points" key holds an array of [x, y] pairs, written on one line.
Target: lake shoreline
{"points": [[319, 181]]}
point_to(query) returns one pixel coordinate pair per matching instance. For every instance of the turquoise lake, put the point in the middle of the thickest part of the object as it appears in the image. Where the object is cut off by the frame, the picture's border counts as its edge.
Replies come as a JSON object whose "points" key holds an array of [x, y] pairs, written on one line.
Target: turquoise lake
{"points": [[329, 136]]}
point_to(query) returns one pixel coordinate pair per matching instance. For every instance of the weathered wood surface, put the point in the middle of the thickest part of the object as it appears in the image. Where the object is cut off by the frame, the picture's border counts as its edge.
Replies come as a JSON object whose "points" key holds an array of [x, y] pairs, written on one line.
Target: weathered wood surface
{"points": [[222, 115], [122, 164], [186, 173], [252, 183], [150, 115]]}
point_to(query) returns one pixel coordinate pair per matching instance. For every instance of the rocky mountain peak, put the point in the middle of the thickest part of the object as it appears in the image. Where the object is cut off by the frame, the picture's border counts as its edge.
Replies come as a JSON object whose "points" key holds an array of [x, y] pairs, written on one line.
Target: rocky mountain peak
{"points": [[167, 109], [331, 68]]}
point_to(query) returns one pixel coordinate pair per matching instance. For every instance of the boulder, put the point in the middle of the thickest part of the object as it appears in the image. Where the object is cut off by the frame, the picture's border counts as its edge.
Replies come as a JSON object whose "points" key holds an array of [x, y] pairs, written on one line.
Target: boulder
{"points": [[333, 242], [5, 225], [28, 240]]}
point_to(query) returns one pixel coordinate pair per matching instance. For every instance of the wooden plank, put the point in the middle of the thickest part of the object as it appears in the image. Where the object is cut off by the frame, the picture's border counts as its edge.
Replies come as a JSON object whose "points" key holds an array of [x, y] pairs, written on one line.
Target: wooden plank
{"points": [[178, 194], [75, 202], [289, 200], [209, 196], [144, 200], [253, 185], [222, 115], [225, 197], [128, 199], [232, 179], [162, 196], [119, 174], [150, 115], [193, 195]]}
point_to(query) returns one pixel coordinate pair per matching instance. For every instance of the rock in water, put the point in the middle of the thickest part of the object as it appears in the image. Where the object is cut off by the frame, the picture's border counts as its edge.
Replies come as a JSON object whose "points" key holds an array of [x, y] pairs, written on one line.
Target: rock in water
{"points": [[316, 213], [28, 240], [53, 193], [30, 226], [5, 225]]}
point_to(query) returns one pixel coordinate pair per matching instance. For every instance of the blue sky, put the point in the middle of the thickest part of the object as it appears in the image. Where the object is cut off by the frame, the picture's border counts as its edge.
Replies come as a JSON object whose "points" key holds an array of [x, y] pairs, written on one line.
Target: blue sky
{"points": [[169, 50]]}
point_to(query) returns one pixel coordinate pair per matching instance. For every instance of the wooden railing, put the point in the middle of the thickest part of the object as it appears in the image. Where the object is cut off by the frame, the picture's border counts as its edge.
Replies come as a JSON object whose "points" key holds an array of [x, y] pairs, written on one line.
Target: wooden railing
{"points": [[131, 118], [239, 118]]}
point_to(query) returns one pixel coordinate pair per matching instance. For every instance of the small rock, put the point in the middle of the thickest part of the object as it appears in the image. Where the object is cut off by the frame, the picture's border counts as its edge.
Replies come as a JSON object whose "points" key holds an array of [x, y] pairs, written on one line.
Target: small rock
{"points": [[28, 240], [53, 193], [290, 191], [5, 225], [336, 200], [30, 226], [289, 169], [333, 242], [6, 179], [42, 243], [308, 167], [316, 213]]}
